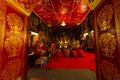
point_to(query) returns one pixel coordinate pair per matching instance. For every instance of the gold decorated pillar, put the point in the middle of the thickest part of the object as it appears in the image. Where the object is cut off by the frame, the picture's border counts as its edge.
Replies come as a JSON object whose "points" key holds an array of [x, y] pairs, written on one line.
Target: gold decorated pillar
{"points": [[107, 40], [2, 30], [117, 22], [13, 33]]}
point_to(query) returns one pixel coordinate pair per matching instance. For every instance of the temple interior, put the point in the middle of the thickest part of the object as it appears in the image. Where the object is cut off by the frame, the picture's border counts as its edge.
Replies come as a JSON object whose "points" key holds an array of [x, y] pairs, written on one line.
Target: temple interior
{"points": [[59, 39]]}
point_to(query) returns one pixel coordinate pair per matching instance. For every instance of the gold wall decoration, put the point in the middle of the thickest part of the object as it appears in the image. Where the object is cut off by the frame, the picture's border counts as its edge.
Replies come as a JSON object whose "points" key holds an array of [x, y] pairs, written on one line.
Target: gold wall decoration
{"points": [[107, 34], [92, 3], [110, 72], [11, 70], [25, 6], [108, 44], [117, 20], [1, 30], [2, 23], [104, 17], [117, 76], [15, 22], [13, 46]]}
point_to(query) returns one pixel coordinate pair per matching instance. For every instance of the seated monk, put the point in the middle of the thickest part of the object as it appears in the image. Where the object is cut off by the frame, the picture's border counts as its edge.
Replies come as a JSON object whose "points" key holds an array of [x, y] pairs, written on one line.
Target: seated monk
{"points": [[67, 52], [58, 52]]}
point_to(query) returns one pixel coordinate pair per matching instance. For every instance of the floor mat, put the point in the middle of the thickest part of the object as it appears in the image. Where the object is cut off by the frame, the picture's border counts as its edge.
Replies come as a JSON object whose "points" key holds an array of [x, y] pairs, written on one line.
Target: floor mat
{"points": [[62, 74], [37, 79]]}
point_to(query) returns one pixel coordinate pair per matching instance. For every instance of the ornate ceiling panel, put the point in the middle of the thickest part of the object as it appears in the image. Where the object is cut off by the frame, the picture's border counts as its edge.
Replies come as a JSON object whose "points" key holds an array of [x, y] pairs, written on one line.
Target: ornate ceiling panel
{"points": [[54, 12], [25, 6]]}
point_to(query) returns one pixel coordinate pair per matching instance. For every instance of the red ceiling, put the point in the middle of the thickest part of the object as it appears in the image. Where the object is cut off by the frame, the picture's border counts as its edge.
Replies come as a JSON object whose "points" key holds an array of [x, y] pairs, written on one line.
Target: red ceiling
{"points": [[53, 12]]}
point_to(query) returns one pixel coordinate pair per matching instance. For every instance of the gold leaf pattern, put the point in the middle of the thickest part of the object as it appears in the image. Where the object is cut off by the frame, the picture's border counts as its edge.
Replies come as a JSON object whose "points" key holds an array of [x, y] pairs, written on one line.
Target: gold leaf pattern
{"points": [[1, 31], [117, 9], [2, 21], [110, 72], [104, 17], [11, 70], [108, 44], [13, 46], [15, 22]]}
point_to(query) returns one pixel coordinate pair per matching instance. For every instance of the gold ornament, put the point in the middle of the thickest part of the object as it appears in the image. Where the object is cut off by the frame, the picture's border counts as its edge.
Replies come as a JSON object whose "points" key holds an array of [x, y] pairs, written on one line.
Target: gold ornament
{"points": [[13, 46], [14, 22], [110, 72], [104, 17], [11, 70], [108, 44]]}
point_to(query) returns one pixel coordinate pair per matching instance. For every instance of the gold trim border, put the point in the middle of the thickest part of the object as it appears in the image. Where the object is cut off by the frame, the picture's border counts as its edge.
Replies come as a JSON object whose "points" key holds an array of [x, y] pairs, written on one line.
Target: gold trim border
{"points": [[93, 4], [23, 10]]}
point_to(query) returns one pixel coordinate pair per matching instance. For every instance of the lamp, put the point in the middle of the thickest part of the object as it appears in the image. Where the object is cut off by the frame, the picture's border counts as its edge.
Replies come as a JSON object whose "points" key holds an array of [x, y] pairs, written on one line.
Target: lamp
{"points": [[49, 24], [63, 23], [34, 33]]}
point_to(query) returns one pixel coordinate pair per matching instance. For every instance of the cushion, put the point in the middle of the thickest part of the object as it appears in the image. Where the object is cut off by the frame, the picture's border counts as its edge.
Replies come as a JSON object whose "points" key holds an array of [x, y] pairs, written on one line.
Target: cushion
{"points": [[67, 52], [82, 53], [79, 47], [58, 53], [74, 53], [43, 47]]}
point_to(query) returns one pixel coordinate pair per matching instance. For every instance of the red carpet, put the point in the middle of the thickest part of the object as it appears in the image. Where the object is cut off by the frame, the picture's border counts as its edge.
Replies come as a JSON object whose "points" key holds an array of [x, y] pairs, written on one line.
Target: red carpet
{"points": [[87, 62]]}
